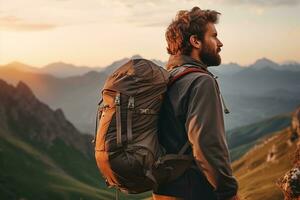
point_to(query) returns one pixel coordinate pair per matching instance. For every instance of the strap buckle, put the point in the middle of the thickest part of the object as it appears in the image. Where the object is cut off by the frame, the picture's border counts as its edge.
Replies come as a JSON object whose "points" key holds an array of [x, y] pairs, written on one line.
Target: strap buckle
{"points": [[131, 103], [117, 100], [145, 111]]}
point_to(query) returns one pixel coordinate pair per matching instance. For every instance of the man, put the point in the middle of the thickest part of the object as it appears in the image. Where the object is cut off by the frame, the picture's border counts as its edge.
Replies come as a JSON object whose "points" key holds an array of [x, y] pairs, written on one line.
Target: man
{"points": [[193, 112]]}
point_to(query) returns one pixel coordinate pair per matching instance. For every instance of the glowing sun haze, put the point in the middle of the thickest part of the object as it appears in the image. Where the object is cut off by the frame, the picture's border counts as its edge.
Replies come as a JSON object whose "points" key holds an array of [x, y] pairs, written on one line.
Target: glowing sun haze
{"points": [[98, 32]]}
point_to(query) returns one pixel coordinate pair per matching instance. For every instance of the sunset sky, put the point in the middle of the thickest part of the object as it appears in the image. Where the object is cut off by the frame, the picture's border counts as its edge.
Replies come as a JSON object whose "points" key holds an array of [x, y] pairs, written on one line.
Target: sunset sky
{"points": [[98, 32]]}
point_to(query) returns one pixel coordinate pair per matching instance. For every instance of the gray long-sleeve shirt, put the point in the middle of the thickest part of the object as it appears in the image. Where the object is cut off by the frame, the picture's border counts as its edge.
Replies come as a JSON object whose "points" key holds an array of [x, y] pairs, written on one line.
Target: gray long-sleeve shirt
{"points": [[196, 105]]}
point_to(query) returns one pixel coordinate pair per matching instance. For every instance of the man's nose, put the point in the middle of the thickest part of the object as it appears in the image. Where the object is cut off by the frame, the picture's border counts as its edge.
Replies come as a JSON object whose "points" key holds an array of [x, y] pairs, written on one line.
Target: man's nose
{"points": [[220, 44]]}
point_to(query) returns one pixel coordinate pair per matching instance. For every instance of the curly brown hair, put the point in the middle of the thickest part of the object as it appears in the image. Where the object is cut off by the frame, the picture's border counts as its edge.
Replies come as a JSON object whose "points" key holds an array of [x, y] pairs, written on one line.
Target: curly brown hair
{"points": [[186, 24], [296, 160]]}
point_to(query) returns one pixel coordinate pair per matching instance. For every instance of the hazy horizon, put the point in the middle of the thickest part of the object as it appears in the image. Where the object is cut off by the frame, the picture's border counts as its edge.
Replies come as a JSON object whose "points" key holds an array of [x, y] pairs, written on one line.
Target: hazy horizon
{"points": [[118, 59], [96, 33]]}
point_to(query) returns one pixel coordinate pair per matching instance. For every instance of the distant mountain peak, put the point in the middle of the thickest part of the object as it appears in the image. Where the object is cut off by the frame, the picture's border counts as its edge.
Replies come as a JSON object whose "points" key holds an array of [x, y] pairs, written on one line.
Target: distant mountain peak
{"points": [[24, 89], [136, 56], [17, 63], [19, 66], [63, 70], [92, 73], [59, 114], [3, 83], [290, 62], [263, 63], [232, 63], [60, 64], [264, 60]]}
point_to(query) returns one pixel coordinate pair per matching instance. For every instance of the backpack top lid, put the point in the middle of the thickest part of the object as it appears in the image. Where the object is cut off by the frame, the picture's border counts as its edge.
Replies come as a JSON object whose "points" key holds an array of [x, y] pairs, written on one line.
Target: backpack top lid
{"points": [[137, 76]]}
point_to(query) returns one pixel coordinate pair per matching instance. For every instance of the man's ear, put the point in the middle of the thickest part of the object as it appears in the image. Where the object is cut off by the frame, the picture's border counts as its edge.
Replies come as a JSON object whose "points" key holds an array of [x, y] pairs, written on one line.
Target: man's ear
{"points": [[195, 42]]}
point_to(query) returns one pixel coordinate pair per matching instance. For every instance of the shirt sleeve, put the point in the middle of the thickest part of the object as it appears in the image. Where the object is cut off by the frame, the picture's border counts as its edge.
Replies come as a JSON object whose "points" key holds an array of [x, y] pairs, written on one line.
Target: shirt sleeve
{"points": [[205, 128]]}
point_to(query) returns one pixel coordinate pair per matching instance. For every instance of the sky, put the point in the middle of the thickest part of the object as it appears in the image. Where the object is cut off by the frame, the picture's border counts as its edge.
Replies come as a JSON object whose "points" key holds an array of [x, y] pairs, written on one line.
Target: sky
{"points": [[98, 32]]}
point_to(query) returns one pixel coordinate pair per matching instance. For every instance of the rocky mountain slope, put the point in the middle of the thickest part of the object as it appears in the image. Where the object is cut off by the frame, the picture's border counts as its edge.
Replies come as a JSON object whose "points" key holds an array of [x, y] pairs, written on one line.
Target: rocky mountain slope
{"points": [[27, 115], [259, 169], [257, 173], [42, 155], [77, 96]]}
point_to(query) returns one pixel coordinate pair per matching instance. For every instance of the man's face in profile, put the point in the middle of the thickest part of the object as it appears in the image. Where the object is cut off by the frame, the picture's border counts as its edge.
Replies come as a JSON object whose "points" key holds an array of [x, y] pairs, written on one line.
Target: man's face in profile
{"points": [[211, 47]]}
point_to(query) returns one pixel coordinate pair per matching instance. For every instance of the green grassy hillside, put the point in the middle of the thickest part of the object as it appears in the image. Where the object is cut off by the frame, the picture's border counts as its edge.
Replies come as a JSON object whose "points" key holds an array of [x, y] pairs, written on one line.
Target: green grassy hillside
{"points": [[240, 140], [29, 171], [256, 176]]}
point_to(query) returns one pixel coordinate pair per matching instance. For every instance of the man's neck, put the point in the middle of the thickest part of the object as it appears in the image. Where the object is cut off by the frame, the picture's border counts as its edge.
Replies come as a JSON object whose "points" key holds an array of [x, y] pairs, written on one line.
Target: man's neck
{"points": [[178, 60], [195, 56]]}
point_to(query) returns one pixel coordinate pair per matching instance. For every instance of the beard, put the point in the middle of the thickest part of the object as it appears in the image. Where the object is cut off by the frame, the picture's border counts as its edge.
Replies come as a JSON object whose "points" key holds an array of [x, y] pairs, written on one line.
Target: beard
{"points": [[209, 56]]}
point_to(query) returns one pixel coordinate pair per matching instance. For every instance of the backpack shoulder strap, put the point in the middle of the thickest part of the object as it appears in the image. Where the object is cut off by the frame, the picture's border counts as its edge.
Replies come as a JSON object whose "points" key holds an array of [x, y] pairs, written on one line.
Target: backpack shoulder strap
{"points": [[186, 71]]}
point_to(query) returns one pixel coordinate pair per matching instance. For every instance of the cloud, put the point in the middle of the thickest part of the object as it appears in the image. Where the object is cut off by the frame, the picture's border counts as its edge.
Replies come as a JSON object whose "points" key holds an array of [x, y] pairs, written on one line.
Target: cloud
{"points": [[131, 3], [148, 13], [13, 23], [162, 12], [154, 24], [148, 22], [267, 3]]}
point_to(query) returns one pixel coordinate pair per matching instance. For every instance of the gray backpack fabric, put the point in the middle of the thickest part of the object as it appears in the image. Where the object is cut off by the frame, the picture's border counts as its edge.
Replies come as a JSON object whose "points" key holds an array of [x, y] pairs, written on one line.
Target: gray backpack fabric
{"points": [[127, 150]]}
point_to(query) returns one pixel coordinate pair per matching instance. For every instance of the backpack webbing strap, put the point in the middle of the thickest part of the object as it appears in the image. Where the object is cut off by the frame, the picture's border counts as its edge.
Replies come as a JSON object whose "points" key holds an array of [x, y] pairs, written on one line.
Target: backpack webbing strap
{"points": [[184, 148], [118, 118], [129, 118], [150, 175], [99, 113], [146, 111], [168, 157], [117, 194]]}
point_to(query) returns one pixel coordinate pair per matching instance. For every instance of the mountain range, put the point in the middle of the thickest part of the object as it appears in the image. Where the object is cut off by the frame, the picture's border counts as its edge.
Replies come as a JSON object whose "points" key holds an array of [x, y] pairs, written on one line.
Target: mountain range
{"points": [[43, 156], [252, 93], [64, 70]]}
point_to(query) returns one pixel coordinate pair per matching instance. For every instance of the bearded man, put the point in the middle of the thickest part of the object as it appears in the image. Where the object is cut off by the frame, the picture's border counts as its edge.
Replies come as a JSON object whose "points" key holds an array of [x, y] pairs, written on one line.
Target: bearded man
{"points": [[192, 111]]}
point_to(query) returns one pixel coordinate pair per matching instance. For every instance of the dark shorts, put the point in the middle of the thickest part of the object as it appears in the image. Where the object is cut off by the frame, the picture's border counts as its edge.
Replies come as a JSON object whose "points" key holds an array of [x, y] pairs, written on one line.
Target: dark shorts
{"points": [[192, 185]]}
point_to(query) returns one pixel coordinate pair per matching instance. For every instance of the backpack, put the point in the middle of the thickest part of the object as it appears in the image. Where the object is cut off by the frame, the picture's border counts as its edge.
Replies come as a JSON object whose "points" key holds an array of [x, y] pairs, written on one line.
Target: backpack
{"points": [[127, 150]]}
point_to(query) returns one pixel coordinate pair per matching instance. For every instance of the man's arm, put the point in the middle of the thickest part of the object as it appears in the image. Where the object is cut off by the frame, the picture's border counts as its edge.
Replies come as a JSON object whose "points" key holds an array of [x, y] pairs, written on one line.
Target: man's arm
{"points": [[205, 128]]}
